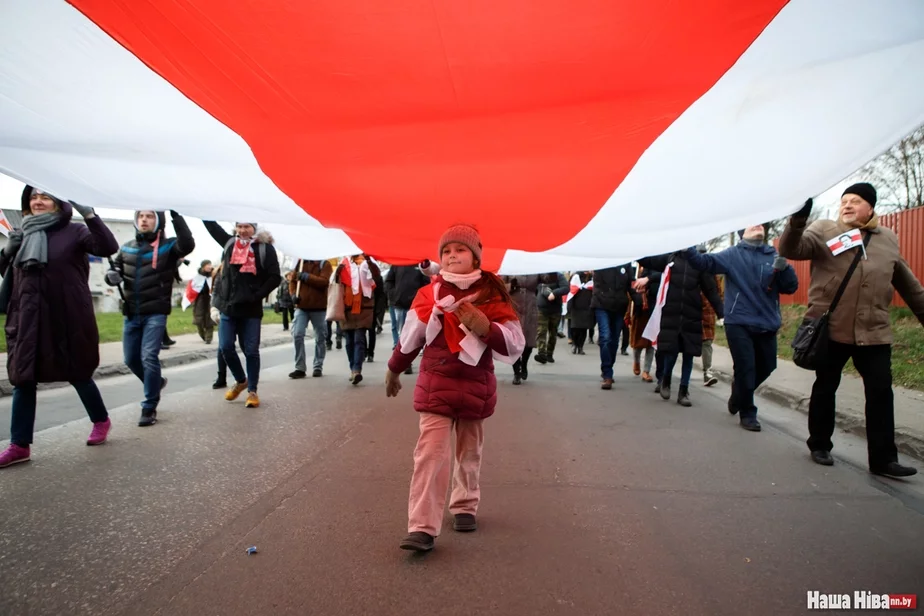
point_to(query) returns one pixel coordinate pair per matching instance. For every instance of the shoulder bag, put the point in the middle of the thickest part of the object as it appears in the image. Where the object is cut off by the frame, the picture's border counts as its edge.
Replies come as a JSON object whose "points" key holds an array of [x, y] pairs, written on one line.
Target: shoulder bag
{"points": [[810, 344]]}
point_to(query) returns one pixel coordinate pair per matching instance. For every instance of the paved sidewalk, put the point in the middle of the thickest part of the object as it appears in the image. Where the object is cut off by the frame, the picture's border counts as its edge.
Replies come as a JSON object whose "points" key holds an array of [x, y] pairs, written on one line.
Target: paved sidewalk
{"points": [[188, 348], [790, 385]]}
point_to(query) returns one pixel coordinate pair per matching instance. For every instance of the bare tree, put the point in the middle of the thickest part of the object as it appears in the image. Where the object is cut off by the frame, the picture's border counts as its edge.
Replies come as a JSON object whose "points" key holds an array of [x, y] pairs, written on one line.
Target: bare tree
{"points": [[898, 173]]}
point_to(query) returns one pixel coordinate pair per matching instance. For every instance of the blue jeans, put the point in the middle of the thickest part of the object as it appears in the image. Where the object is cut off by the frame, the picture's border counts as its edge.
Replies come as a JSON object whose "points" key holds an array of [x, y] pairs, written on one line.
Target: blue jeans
{"points": [[610, 324], [142, 337], [686, 368], [355, 348], [247, 332], [318, 320], [398, 317], [23, 419]]}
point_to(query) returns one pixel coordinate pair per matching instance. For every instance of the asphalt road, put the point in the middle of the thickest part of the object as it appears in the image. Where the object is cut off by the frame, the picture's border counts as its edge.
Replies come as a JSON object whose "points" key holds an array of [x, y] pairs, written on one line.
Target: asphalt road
{"points": [[593, 503]]}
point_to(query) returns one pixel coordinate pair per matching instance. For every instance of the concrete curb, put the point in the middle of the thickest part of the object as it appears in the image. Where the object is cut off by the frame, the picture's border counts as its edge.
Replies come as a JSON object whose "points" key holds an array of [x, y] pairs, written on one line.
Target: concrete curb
{"points": [[167, 360], [907, 442]]}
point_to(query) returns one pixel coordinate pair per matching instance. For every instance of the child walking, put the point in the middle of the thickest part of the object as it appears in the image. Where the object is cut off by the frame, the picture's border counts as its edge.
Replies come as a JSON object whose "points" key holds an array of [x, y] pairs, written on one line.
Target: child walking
{"points": [[462, 321]]}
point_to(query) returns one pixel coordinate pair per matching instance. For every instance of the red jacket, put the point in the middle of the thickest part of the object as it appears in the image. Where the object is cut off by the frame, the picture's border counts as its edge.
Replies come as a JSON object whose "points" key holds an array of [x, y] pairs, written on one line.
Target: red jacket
{"points": [[448, 386]]}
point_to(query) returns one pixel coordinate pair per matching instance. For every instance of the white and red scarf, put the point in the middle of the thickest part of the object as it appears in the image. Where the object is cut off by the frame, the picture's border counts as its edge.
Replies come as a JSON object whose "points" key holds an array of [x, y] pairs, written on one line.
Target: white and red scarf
{"points": [[242, 254], [358, 282], [193, 289], [654, 321], [576, 286], [424, 324]]}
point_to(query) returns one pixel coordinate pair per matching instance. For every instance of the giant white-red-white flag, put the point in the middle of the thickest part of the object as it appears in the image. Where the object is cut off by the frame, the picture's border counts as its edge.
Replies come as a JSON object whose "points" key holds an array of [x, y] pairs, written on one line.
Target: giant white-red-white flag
{"points": [[574, 133]]}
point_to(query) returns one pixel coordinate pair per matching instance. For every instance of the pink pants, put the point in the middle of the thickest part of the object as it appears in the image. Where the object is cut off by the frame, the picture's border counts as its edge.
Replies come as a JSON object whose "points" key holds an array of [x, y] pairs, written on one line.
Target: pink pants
{"points": [[432, 462]]}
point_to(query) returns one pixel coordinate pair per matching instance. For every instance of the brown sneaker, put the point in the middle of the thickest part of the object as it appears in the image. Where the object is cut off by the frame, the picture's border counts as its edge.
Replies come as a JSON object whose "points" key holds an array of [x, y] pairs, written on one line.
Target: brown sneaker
{"points": [[636, 368], [607, 384], [253, 400], [235, 391]]}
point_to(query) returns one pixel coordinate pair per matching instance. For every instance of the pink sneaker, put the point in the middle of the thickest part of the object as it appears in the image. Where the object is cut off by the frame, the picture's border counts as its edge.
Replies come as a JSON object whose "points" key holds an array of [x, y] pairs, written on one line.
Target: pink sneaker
{"points": [[14, 454], [99, 433]]}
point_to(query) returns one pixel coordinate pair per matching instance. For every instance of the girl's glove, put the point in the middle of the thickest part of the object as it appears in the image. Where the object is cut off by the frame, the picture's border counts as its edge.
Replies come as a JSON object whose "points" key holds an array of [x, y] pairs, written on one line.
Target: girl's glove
{"points": [[474, 319], [392, 383]]}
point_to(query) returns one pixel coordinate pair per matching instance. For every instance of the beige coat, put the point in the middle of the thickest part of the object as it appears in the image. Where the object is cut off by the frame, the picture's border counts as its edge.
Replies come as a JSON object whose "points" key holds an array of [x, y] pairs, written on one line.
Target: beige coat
{"points": [[862, 316]]}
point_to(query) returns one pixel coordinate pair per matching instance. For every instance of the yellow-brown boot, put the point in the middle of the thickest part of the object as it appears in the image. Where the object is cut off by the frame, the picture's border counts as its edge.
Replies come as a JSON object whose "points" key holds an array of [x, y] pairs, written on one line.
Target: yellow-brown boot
{"points": [[253, 400], [235, 391]]}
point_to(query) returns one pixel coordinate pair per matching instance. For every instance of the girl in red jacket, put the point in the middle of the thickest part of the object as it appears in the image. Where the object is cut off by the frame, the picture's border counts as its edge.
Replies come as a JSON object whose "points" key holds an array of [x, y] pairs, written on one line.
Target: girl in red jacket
{"points": [[462, 321]]}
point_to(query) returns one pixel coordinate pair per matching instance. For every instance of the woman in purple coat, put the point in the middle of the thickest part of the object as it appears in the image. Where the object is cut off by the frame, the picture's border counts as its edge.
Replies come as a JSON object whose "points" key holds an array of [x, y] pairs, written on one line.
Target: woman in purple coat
{"points": [[51, 329]]}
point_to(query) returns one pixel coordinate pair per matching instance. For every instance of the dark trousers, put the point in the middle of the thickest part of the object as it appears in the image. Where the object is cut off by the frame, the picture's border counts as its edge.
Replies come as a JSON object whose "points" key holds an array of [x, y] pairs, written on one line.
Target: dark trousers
{"points": [[285, 318], [370, 344], [624, 347], [247, 331], [754, 357], [874, 363], [356, 348], [610, 324], [578, 336], [666, 367], [522, 365], [24, 403]]}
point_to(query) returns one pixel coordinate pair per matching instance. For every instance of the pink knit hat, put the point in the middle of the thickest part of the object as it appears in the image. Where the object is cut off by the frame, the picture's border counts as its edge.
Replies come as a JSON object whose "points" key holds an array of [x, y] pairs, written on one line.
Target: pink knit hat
{"points": [[463, 234]]}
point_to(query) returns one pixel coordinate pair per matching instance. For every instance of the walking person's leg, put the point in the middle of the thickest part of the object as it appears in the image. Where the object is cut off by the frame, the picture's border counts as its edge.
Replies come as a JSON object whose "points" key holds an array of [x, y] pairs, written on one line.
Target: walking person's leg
{"points": [[250, 330], [132, 333], [708, 378], [154, 326], [429, 482], [466, 485], [299, 327], [370, 345], [822, 403], [874, 363], [541, 338], [667, 370], [607, 346], [686, 373], [228, 335], [554, 322], [319, 325], [22, 425], [96, 409]]}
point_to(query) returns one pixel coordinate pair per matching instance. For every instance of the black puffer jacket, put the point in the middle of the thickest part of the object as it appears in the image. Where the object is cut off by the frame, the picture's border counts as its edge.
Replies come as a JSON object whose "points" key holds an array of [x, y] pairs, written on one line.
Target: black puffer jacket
{"points": [[237, 295], [149, 290], [682, 314], [612, 287], [402, 283]]}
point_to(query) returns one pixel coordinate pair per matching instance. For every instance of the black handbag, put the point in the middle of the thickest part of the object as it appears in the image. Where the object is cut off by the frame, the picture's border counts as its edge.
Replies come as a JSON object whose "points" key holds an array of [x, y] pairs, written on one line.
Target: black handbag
{"points": [[810, 344]]}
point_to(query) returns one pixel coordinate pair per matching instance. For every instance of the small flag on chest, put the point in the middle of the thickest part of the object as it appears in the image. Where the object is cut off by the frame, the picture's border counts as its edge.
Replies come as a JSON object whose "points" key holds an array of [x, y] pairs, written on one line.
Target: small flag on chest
{"points": [[845, 241]]}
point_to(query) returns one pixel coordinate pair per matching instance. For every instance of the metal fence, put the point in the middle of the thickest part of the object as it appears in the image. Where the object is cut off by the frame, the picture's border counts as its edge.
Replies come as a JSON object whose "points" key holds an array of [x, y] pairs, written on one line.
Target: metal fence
{"points": [[907, 225]]}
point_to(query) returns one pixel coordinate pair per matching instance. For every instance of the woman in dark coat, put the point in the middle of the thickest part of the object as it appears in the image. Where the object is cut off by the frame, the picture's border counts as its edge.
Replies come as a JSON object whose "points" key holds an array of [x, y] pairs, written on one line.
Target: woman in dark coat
{"points": [[358, 278], [202, 306], [51, 328], [681, 320], [523, 290], [644, 297], [580, 312]]}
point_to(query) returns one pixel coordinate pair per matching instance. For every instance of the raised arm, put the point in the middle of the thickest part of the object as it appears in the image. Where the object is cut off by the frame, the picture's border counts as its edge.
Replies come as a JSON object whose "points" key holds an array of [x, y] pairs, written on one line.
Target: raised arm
{"points": [[96, 238], [712, 263], [218, 234], [185, 243]]}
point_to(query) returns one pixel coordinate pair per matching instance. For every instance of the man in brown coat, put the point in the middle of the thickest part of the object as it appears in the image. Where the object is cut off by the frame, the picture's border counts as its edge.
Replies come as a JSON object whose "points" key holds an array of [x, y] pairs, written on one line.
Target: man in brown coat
{"points": [[308, 284], [859, 327]]}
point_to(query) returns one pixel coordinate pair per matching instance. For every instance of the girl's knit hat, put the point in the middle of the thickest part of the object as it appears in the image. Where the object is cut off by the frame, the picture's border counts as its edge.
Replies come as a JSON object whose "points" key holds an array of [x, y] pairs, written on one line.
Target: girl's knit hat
{"points": [[463, 234]]}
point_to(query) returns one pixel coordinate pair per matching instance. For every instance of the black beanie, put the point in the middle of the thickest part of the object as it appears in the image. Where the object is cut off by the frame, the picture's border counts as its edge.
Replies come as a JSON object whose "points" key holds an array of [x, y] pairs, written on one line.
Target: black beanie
{"points": [[864, 190], [740, 234]]}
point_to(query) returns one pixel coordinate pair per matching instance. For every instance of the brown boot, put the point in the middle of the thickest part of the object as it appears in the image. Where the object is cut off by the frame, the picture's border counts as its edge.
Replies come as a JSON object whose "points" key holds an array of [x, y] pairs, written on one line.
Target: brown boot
{"points": [[647, 377], [607, 384], [636, 368]]}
